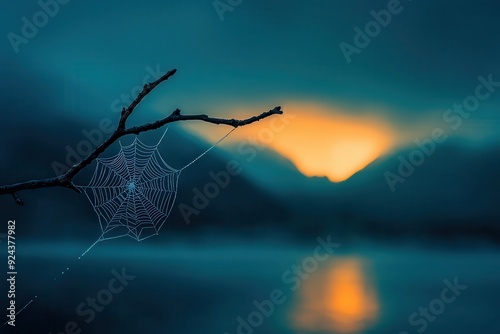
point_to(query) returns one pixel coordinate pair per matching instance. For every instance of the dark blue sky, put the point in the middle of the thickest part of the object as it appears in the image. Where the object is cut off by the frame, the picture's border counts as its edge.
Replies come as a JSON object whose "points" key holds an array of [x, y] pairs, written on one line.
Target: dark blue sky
{"points": [[265, 53]]}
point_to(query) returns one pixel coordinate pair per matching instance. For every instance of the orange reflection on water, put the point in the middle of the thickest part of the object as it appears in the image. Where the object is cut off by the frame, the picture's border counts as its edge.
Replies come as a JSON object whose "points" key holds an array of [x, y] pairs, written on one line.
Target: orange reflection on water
{"points": [[340, 299]]}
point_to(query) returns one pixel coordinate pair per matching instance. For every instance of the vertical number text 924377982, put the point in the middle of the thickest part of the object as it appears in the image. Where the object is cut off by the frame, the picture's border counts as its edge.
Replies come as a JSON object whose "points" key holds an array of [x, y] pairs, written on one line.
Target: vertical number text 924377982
{"points": [[11, 272]]}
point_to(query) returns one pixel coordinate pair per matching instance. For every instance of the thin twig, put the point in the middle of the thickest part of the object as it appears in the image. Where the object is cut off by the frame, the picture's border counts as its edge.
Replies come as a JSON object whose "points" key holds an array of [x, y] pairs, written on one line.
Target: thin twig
{"points": [[66, 179]]}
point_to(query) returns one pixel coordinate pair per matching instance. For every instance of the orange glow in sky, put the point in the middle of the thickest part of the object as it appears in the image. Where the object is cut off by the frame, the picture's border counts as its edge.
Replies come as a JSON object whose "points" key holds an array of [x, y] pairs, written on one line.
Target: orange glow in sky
{"points": [[340, 299], [319, 140]]}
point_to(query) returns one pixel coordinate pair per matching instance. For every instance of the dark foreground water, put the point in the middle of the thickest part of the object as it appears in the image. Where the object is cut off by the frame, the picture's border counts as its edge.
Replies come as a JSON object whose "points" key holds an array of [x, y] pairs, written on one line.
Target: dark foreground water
{"points": [[256, 288]]}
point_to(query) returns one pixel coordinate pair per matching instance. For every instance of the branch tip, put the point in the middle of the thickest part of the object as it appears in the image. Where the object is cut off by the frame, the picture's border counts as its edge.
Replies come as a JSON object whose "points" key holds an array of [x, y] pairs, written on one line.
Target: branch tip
{"points": [[18, 200]]}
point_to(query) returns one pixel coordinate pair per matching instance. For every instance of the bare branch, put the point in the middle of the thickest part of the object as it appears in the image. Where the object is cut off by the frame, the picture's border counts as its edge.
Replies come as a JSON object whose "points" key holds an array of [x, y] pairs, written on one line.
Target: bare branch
{"points": [[176, 117], [145, 91], [66, 179]]}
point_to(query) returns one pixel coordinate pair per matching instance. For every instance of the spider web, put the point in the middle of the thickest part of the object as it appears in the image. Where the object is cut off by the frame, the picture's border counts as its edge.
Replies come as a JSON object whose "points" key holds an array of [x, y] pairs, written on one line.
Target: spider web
{"points": [[134, 191]]}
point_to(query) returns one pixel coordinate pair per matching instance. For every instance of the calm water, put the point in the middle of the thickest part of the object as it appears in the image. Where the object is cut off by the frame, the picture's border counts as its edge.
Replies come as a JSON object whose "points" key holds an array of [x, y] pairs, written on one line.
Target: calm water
{"points": [[257, 288]]}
